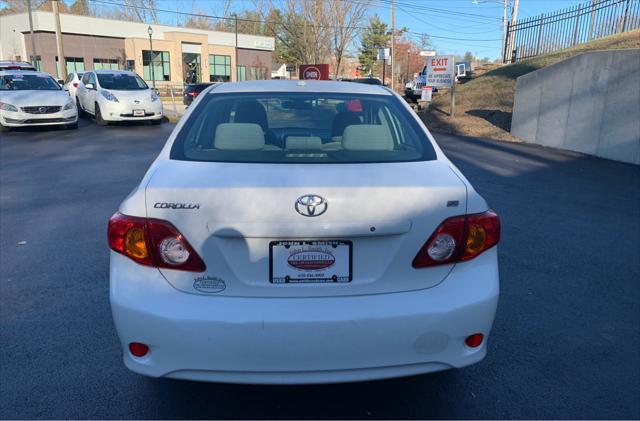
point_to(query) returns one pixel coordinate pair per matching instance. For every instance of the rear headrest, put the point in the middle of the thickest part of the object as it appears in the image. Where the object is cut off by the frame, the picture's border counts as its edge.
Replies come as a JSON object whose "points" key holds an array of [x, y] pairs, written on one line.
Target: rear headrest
{"points": [[239, 137], [304, 142], [367, 137]]}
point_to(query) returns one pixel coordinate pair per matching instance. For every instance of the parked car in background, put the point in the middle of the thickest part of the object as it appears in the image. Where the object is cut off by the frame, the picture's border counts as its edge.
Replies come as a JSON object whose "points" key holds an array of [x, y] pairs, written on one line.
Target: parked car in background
{"points": [[302, 232], [72, 83], [30, 98], [117, 95], [192, 91], [16, 65], [413, 88], [365, 80]]}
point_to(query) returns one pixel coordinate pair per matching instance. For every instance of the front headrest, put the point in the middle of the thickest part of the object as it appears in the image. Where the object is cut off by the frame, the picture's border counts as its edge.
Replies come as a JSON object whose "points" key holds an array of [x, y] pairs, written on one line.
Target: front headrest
{"points": [[239, 137], [367, 137], [304, 142]]}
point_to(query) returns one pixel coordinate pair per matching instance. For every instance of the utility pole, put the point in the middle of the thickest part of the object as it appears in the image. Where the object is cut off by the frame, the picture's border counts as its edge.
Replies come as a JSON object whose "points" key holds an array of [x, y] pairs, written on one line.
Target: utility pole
{"points": [[34, 60], [235, 16], [504, 26], [63, 65], [514, 18], [393, 48]]}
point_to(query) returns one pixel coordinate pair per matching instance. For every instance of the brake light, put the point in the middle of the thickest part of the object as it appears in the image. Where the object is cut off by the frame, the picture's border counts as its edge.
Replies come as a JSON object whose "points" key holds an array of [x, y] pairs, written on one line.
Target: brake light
{"points": [[193, 94], [75, 84], [459, 238], [152, 242]]}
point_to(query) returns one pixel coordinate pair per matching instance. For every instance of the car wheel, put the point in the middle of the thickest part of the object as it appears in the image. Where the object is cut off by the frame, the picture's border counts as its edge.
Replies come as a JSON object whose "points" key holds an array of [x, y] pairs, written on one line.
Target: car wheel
{"points": [[81, 112], [101, 121], [72, 126]]}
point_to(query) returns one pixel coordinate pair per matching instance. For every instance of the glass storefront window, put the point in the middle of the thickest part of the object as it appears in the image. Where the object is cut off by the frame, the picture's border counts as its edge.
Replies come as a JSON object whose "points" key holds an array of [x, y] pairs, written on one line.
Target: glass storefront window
{"points": [[242, 73], [160, 62], [105, 64], [219, 68], [74, 64]]}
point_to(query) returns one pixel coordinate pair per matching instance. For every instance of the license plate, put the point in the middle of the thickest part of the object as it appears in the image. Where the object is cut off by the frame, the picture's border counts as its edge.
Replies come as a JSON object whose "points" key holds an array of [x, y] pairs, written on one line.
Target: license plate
{"points": [[138, 113], [309, 262]]}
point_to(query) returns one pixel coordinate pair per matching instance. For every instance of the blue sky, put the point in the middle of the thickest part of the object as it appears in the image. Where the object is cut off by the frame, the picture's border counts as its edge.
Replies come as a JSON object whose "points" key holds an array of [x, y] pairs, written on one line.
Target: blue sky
{"points": [[455, 26]]}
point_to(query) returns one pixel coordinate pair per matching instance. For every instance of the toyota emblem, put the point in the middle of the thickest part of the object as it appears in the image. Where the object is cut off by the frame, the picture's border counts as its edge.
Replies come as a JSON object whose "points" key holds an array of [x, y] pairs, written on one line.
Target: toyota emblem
{"points": [[42, 110], [311, 205]]}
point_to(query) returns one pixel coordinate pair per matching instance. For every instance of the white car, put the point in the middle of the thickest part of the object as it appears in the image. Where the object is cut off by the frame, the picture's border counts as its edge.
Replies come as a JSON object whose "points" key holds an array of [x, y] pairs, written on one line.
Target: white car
{"points": [[113, 95], [72, 83], [30, 98], [302, 232]]}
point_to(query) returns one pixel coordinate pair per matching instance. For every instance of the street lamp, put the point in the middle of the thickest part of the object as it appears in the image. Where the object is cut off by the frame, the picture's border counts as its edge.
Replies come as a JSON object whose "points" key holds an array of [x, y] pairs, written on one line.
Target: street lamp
{"points": [[153, 76]]}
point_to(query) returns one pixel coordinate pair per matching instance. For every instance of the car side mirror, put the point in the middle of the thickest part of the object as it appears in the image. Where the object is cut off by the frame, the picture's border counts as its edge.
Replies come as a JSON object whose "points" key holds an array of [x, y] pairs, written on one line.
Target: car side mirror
{"points": [[60, 82], [89, 86]]}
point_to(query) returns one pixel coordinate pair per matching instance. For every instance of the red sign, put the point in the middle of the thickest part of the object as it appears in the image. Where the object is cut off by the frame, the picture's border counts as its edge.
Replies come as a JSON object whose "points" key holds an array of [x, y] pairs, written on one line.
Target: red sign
{"points": [[314, 71], [357, 73]]}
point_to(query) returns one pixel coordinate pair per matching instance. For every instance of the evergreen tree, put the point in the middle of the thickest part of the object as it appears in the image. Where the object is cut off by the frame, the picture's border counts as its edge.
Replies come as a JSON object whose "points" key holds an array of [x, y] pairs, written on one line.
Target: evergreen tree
{"points": [[373, 37]]}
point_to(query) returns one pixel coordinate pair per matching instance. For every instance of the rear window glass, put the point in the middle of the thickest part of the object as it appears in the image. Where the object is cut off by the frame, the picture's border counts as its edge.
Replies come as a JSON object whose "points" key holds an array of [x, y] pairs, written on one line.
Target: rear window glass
{"points": [[301, 128]]}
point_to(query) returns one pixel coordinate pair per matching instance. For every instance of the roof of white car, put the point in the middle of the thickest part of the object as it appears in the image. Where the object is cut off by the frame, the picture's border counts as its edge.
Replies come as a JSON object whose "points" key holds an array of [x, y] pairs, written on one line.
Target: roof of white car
{"points": [[126, 72], [22, 72], [301, 86]]}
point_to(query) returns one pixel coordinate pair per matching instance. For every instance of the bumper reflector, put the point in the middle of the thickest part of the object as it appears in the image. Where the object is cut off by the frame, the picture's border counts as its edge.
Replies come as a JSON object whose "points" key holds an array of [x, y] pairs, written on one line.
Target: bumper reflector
{"points": [[138, 350], [474, 341]]}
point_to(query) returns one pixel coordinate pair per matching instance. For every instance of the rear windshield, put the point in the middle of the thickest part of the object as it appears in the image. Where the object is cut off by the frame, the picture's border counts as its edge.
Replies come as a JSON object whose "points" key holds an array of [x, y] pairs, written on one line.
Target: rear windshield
{"points": [[121, 81], [301, 128], [20, 82]]}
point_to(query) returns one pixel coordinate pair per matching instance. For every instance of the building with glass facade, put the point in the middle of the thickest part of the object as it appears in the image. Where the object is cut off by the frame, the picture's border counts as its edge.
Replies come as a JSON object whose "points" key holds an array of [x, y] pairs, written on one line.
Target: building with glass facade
{"points": [[179, 54]]}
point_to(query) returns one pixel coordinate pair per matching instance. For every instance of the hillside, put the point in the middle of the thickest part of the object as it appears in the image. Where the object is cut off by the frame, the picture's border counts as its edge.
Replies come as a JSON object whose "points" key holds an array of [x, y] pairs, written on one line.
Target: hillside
{"points": [[484, 104]]}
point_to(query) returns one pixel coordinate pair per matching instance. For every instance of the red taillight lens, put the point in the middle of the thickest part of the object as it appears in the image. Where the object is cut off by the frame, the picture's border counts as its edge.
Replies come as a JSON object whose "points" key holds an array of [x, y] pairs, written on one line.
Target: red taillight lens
{"points": [[152, 242], [459, 238], [75, 84], [138, 350], [193, 94]]}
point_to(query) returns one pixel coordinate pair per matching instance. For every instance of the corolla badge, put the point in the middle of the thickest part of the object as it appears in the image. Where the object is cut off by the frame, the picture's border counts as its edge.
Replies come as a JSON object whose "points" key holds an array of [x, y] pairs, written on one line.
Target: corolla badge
{"points": [[311, 205]]}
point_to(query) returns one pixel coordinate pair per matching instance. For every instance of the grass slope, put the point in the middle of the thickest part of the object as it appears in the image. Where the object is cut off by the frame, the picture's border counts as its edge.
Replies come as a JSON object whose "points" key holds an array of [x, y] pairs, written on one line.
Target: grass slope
{"points": [[484, 104]]}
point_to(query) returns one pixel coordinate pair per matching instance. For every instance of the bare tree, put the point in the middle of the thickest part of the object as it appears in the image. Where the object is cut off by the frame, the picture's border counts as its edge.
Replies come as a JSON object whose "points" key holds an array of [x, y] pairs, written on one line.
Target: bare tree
{"points": [[345, 20], [136, 11]]}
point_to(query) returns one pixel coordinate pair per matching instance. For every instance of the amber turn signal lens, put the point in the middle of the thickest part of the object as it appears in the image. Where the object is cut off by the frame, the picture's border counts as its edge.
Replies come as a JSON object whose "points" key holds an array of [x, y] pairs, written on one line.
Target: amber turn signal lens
{"points": [[476, 239], [134, 244]]}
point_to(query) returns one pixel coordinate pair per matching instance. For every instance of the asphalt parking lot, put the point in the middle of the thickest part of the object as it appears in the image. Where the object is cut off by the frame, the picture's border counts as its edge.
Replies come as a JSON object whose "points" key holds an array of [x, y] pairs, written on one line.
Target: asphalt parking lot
{"points": [[566, 339]]}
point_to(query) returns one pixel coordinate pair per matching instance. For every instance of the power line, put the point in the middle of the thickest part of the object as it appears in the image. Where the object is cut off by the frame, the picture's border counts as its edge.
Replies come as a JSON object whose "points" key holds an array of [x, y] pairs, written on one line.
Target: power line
{"points": [[173, 12]]}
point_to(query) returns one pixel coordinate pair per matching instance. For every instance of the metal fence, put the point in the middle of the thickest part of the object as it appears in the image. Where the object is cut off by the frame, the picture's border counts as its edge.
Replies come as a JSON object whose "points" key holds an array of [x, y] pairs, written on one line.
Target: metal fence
{"points": [[564, 28]]}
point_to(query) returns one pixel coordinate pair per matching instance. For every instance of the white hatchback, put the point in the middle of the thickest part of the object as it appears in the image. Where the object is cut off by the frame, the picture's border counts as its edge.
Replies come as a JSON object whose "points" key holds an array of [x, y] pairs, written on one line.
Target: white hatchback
{"points": [[114, 95], [302, 232]]}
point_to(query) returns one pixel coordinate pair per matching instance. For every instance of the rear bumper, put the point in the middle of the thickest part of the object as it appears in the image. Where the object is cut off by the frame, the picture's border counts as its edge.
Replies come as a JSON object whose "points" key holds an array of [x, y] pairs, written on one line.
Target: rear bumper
{"points": [[302, 340]]}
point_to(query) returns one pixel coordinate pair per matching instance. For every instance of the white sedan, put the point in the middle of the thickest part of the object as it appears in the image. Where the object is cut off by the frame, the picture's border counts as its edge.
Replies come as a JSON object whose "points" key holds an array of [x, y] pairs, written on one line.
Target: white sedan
{"points": [[302, 232], [30, 98], [114, 95]]}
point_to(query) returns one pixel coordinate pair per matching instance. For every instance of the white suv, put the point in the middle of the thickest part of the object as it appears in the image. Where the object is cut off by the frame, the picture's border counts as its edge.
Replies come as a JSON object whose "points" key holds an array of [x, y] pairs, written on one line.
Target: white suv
{"points": [[112, 95]]}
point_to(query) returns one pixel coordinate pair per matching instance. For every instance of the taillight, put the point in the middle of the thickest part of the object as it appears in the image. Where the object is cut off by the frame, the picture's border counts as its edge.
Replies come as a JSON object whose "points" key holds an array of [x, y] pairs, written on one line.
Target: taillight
{"points": [[152, 242], [459, 238], [75, 84], [193, 94]]}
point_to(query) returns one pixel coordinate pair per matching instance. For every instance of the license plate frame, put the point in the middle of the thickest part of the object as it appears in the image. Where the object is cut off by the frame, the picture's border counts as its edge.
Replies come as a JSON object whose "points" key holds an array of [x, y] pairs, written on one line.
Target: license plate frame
{"points": [[138, 113], [299, 274]]}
